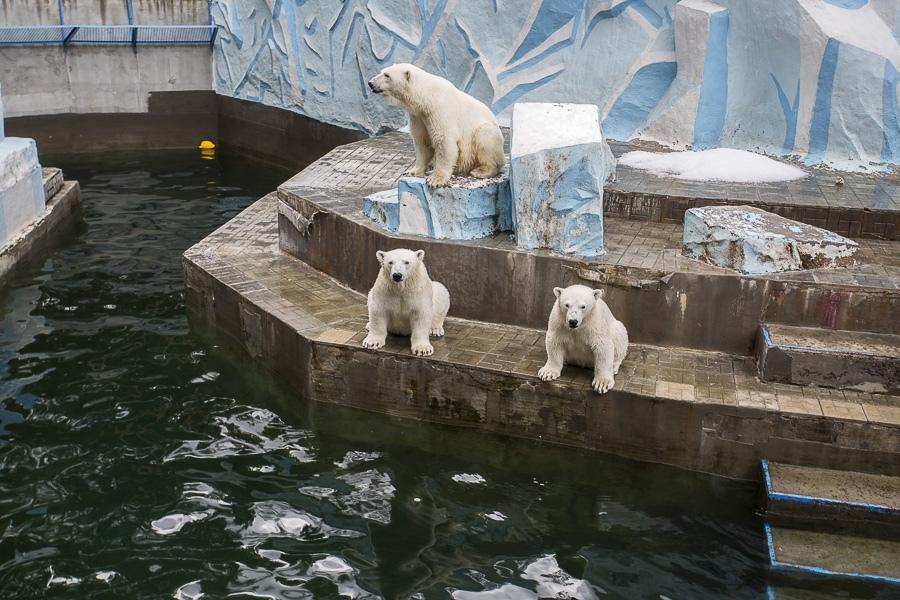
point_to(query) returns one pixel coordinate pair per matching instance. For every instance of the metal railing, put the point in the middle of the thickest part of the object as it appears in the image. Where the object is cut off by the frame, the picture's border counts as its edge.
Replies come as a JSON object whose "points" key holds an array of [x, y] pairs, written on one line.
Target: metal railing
{"points": [[109, 35]]}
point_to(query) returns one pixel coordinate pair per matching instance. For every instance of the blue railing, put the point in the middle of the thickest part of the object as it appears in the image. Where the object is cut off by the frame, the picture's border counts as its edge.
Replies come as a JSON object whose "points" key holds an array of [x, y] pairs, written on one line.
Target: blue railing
{"points": [[108, 35]]}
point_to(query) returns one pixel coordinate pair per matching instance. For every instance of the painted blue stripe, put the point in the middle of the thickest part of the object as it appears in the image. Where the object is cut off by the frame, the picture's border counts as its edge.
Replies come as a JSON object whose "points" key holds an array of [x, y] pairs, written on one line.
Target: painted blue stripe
{"points": [[790, 114], [890, 116], [62, 16], [643, 93], [603, 15], [848, 4], [130, 8], [291, 18], [522, 89], [821, 115], [714, 87], [815, 501]]}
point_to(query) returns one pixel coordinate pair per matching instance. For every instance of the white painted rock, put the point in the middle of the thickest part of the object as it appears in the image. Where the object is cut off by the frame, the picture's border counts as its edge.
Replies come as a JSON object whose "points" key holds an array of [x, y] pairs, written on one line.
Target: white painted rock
{"points": [[753, 241], [467, 209], [21, 185], [384, 209], [559, 161]]}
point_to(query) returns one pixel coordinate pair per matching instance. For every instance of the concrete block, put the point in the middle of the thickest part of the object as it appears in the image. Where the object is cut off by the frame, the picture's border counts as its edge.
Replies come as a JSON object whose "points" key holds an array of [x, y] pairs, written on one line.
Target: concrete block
{"points": [[467, 209], [1, 115], [558, 163], [21, 185], [753, 241], [383, 208]]}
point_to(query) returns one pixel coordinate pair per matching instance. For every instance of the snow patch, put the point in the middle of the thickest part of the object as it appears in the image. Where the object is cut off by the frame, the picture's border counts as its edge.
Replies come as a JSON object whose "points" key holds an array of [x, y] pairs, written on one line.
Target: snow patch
{"points": [[719, 164]]}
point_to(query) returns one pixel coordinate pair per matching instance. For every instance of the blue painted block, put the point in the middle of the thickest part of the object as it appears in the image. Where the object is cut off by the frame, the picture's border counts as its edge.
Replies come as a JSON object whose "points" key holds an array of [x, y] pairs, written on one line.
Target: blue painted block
{"points": [[384, 209], [558, 164], [467, 209], [21, 186]]}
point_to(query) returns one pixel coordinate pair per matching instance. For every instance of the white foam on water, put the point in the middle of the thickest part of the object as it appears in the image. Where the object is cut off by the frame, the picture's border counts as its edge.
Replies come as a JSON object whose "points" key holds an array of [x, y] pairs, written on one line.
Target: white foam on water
{"points": [[553, 582], [62, 580], [355, 457], [105, 576], [247, 431], [175, 522], [507, 591], [496, 516], [189, 591], [472, 478], [368, 495], [277, 519], [719, 164]]}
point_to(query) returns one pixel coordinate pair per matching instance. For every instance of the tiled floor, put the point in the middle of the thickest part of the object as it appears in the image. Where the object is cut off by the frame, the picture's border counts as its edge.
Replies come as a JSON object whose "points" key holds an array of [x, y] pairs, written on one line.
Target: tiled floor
{"points": [[244, 254], [340, 180]]}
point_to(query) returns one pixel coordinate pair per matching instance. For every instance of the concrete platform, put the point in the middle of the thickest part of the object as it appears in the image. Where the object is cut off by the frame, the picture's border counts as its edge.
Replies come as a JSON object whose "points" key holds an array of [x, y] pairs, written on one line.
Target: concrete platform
{"points": [[810, 554], [643, 272], [62, 209], [700, 410], [831, 358], [865, 206], [833, 500]]}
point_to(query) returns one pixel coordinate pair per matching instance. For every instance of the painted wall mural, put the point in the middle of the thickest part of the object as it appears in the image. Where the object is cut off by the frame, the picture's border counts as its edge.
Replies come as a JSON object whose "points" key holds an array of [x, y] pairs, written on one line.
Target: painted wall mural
{"points": [[814, 78]]}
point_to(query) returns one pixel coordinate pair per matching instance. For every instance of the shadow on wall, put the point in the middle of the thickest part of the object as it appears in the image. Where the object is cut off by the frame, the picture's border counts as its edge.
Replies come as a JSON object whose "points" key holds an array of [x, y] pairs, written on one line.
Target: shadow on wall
{"points": [[778, 76]]}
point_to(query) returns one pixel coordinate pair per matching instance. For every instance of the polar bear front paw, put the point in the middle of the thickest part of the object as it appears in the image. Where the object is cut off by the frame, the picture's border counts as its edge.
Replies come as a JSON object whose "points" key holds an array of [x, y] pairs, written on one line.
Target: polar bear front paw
{"points": [[437, 331], [414, 172], [437, 179], [373, 342], [603, 383], [424, 349], [548, 374]]}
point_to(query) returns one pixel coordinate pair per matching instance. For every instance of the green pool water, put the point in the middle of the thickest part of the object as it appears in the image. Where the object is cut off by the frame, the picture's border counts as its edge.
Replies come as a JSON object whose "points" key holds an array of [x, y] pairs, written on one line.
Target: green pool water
{"points": [[141, 460]]}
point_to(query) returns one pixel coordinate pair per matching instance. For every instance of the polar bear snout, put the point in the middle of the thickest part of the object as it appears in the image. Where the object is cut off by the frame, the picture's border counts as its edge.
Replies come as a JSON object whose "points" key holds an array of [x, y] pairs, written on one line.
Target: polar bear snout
{"points": [[573, 323], [397, 277], [374, 87]]}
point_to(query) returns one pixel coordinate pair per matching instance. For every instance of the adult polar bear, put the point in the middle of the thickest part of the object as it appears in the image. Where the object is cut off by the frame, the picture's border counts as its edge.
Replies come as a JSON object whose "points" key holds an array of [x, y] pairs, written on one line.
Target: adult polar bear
{"points": [[450, 129], [405, 301], [582, 331]]}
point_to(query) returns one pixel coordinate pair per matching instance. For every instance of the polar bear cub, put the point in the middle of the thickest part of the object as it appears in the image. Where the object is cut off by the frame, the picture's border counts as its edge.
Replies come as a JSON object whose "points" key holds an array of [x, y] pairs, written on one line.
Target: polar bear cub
{"points": [[450, 129], [405, 301], [582, 331]]}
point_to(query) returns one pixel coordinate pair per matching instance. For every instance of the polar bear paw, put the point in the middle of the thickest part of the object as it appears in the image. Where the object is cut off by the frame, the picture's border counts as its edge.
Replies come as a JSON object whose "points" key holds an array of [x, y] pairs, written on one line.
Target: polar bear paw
{"points": [[424, 349], [414, 172], [373, 342], [548, 374], [603, 383], [483, 172], [437, 179], [437, 331]]}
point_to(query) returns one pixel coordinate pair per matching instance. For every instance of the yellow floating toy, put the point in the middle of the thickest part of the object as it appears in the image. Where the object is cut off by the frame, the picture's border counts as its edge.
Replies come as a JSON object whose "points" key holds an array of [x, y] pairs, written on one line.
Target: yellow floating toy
{"points": [[207, 145]]}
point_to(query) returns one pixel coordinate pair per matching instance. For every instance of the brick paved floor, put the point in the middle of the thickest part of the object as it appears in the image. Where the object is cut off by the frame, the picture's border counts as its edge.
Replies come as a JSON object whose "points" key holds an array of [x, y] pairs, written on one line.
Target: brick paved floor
{"points": [[244, 255]]}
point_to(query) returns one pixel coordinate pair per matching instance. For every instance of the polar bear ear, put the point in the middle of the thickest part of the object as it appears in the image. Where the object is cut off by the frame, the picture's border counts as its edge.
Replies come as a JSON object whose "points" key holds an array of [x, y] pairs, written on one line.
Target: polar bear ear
{"points": [[599, 294], [420, 254], [557, 291], [380, 256]]}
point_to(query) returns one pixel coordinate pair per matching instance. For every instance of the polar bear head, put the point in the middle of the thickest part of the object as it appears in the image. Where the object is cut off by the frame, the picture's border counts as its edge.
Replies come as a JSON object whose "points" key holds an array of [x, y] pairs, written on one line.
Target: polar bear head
{"points": [[400, 265], [394, 81], [575, 303]]}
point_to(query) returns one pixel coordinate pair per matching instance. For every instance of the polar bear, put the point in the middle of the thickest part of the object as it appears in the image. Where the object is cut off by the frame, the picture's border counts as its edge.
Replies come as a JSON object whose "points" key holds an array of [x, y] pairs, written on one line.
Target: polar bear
{"points": [[450, 129], [405, 301], [582, 331]]}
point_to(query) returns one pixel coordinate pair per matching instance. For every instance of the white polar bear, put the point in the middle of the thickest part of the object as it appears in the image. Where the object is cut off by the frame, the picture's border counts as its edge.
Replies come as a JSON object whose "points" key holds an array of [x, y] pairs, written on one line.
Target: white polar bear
{"points": [[405, 301], [450, 129], [582, 331]]}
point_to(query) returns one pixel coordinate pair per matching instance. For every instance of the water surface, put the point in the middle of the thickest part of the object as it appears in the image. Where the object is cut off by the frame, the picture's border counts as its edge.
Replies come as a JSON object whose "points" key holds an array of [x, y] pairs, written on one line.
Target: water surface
{"points": [[138, 460]]}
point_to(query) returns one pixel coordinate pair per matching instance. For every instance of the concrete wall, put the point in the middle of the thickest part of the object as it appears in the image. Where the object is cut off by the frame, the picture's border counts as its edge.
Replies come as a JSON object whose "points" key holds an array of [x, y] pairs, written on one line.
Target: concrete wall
{"points": [[816, 78], [43, 80]]}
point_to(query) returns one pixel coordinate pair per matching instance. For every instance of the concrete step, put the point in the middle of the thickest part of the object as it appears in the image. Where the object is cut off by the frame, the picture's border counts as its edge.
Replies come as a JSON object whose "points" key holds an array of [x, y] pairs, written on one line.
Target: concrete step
{"points": [[857, 360], [813, 556], [837, 500]]}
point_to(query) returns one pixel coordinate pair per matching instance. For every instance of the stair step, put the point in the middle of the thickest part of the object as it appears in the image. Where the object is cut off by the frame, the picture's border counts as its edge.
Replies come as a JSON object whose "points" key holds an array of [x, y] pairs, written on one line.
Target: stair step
{"points": [[868, 362], [813, 555], [839, 500]]}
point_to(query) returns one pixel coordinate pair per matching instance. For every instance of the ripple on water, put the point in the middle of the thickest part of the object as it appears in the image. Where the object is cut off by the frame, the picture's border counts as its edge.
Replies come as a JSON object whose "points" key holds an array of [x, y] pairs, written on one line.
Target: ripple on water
{"points": [[277, 519], [290, 580], [367, 494], [550, 581], [247, 431]]}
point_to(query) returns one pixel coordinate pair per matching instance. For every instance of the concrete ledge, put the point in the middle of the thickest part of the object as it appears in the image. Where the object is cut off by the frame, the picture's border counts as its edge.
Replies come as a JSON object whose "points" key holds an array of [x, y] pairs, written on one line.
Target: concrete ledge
{"points": [[61, 210], [642, 271], [703, 411]]}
